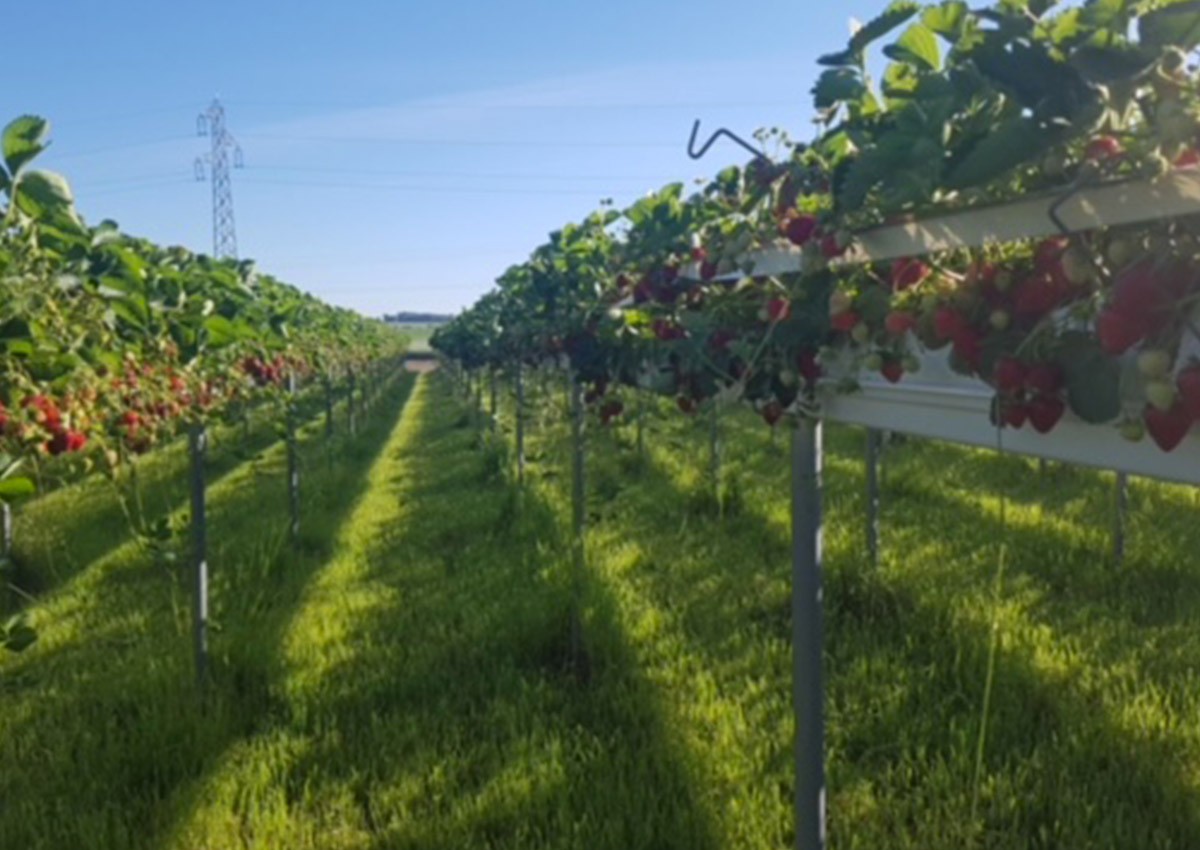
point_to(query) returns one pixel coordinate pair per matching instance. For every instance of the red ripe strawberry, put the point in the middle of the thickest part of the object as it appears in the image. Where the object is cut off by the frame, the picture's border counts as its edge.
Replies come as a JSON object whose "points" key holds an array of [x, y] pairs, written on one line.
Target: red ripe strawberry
{"points": [[1048, 253], [699, 253], [1044, 413], [1044, 378], [76, 441], [686, 403], [720, 339], [708, 270], [663, 329], [772, 412], [1014, 414], [611, 410], [1167, 428], [643, 292], [779, 309], [1188, 384], [948, 323], [1010, 374], [1036, 296], [1102, 148], [898, 322], [58, 443], [831, 247], [968, 345], [844, 322], [1190, 158], [810, 370], [893, 370], [799, 229], [1149, 292], [907, 273], [1118, 332]]}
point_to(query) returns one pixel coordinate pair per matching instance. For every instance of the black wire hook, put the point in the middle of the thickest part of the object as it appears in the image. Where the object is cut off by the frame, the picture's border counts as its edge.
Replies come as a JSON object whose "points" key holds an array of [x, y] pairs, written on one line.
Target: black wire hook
{"points": [[696, 154]]}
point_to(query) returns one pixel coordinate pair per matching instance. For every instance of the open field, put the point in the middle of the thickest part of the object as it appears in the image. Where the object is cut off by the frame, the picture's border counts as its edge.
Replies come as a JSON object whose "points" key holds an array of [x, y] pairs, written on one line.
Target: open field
{"points": [[401, 681]]}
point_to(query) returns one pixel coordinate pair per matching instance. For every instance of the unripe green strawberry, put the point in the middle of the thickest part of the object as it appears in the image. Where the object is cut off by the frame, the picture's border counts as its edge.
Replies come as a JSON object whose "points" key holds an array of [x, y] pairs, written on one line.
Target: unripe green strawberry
{"points": [[1122, 252], [1133, 430], [873, 362], [839, 302], [1077, 266], [1000, 319], [911, 363], [1054, 164], [1154, 363], [861, 333], [1003, 280], [1161, 394]]}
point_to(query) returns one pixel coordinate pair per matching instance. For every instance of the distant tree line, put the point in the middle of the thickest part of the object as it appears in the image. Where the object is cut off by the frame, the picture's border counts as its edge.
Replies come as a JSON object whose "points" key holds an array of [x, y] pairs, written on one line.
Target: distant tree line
{"points": [[417, 318]]}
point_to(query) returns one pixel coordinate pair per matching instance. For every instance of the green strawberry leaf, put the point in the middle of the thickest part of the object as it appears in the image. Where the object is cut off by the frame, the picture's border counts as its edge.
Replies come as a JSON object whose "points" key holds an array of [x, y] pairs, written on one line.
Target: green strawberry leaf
{"points": [[1012, 142], [1173, 24], [15, 488], [22, 140], [837, 85], [947, 20], [896, 14], [918, 46], [46, 196]]}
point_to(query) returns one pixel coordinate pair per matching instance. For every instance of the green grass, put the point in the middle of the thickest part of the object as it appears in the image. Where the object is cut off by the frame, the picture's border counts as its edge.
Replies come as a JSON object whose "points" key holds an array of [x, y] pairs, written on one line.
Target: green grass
{"points": [[403, 680], [68, 528], [418, 337]]}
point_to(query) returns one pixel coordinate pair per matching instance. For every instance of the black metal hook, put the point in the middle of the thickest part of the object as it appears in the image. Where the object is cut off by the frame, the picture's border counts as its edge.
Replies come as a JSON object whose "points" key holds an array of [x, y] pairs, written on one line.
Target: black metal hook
{"points": [[696, 154]]}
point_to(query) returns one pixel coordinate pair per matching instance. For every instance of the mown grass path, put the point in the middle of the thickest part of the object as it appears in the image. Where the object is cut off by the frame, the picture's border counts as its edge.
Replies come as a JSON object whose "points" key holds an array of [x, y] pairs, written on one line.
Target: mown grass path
{"points": [[402, 681]]}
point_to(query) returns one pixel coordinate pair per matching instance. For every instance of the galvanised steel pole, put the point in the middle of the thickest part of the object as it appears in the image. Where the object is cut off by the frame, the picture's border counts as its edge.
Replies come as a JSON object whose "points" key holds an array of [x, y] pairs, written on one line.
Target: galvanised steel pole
{"points": [[198, 447], [495, 412], [6, 529], [808, 695], [578, 516], [520, 417], [872, 517], [714, 451], [1122, 505], [293, 460]]}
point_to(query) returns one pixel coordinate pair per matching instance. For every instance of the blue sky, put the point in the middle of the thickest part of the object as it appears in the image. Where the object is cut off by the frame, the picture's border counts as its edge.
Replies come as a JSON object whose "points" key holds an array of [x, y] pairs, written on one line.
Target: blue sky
{"points": [[401, 155]]}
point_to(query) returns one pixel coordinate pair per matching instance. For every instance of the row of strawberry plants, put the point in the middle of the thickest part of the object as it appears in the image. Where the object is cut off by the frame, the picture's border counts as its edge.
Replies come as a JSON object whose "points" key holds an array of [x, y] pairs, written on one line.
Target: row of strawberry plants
{"points": [[108, 343], [973, 106], [111, 346]]}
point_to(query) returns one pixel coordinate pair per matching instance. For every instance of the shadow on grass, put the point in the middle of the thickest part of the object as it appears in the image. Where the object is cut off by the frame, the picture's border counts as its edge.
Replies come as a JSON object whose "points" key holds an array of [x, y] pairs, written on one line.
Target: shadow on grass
{"points": [[101, 718], [451, 719], [63, 531], [1081, 751]]}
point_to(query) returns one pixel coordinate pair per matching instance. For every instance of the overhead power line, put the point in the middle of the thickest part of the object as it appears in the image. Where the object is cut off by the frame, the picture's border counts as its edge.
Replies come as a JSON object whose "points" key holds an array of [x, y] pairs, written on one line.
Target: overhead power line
{"points": [[484, 143], [456, 190], [515, 105]]}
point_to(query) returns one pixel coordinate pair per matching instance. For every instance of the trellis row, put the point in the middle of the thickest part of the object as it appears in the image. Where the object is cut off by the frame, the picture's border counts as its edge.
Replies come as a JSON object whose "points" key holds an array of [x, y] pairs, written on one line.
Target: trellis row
{"points": [[942, 404], [939, 403]]}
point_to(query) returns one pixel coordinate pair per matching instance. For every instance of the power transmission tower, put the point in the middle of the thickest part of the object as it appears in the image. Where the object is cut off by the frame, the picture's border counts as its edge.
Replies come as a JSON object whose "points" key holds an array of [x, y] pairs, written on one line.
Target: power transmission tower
{"points": [[216, 164]]}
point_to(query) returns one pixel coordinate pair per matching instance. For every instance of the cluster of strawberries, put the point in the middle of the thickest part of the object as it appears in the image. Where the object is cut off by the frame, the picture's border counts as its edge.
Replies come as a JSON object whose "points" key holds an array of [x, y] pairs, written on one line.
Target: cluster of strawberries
{"points": [[44, 419]]}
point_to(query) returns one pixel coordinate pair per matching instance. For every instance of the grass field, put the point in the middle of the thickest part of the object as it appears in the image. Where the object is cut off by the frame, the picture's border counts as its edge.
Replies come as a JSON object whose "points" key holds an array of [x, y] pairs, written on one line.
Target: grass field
{"points": [[418, 336], [400, 681]]}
